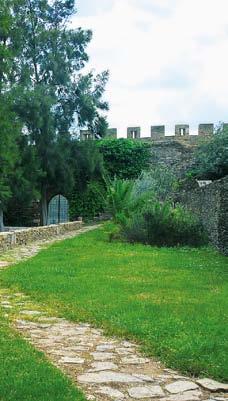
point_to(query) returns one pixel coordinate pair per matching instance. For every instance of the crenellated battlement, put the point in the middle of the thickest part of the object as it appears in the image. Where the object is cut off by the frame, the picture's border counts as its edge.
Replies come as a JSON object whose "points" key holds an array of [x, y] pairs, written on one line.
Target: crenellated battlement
{"points": [[181, 132], [158, 133]]}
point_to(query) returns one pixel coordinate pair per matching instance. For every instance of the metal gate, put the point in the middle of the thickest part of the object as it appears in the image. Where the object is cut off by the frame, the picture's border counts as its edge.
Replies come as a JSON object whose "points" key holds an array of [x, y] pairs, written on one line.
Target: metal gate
{"points": [[58, 210]]}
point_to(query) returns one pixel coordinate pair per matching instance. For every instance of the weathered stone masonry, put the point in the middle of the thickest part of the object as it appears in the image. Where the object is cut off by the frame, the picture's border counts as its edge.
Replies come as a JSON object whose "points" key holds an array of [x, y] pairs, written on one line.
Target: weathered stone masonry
{"points": [[210, 203], [157, 132], [176, 156], [12, 239]]}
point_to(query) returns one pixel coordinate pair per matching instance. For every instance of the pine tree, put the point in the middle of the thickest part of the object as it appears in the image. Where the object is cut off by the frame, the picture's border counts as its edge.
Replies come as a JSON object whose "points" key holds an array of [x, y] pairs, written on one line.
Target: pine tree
{"points": [[9, 124], [49, 91]]}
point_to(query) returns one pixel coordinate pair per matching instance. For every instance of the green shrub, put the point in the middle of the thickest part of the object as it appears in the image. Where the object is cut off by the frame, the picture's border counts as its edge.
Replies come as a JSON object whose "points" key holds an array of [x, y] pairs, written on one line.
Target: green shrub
{"points": [[121, 201], [161, 224], [125, 158], [89, 202], [113, 231], [211, 157]]}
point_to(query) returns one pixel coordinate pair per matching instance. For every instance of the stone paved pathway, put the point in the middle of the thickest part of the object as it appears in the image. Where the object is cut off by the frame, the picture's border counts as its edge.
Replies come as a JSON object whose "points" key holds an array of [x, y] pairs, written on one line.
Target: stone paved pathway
{"points": [[104, 368]]}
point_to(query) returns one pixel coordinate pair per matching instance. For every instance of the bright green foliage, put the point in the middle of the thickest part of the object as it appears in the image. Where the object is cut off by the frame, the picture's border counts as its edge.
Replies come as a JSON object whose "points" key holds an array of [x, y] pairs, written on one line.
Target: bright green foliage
{"points": [[143, 212], [119, 199], [9, 129], [122, 203], [212, 157], [40, 61], [23, 184], [9, 124], [6, 53], [172, 301], [125, 158], [26, 374], [160, 224], [88, 203], [88, 163], [87, 196], [49, 92]]}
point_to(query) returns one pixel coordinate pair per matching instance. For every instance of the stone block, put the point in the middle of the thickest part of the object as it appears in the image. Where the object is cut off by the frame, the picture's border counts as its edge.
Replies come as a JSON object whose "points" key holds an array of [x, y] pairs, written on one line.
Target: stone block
{"points": [[157, 132], [206, 129], [133, 132], [182, 130]]}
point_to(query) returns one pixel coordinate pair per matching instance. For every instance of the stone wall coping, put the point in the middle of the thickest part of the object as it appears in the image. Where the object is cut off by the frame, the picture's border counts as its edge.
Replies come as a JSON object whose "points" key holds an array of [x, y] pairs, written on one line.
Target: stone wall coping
{"points": [[24, 229], [10, 239]]}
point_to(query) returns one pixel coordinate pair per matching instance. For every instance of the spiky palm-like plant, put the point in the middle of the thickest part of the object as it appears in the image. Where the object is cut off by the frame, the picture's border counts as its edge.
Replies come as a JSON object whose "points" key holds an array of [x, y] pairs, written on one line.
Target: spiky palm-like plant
{"points": [[121, 200]]}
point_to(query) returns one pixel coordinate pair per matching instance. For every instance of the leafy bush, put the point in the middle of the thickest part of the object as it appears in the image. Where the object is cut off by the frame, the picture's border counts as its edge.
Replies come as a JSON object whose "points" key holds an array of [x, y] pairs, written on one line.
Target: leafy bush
{"points": [[87, 197], [140, 216], [159, 181], [88, 203], [162, 225], [212, 157], [125, 158], [121, 201], [113, 231], [88, 164]]}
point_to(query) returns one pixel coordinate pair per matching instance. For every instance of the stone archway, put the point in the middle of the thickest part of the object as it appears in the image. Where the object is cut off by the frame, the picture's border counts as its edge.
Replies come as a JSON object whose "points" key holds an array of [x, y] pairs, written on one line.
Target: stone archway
{"points": [[58, 210]]}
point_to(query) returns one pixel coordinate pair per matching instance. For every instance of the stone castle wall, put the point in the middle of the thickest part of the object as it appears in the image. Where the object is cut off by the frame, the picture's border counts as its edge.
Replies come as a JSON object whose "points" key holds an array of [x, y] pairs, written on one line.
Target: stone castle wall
{"points": [[25, 236], [210, 204], [177, 152], [157, 133], [173, 155]]}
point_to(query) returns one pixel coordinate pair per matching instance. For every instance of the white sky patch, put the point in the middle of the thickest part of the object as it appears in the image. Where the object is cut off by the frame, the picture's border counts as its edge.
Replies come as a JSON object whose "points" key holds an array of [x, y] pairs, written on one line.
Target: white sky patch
{"points": [[167, 59]]}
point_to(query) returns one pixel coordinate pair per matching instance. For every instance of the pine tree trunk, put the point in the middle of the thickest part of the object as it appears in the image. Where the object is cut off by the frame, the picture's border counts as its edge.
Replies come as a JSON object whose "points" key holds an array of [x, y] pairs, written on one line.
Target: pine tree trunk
{"points": [[1, 220], [44, 208]]}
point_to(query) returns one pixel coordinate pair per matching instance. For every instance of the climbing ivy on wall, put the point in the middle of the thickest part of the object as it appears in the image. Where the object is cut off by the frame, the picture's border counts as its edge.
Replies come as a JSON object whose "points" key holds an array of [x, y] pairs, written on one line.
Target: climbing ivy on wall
{"points": [[125, 158], [88, 203]]}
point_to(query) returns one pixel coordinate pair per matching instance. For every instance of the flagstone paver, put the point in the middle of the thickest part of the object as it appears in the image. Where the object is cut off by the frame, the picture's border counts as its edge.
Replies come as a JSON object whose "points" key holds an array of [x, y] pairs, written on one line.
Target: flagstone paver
{"points": [[146, 392], [194, 395], [104, 368], [212, 385], [111, 392], [180, 386], [98, 366]]}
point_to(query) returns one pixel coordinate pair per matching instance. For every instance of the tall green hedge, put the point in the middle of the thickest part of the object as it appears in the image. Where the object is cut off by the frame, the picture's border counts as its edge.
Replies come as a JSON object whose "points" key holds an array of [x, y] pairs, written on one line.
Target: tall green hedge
{"points": [[125, 158], [89, 202]]}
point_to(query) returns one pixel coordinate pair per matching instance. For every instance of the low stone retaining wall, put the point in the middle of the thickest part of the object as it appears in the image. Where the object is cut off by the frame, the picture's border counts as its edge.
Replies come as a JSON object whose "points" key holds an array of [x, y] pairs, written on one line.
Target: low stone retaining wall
{"points": [[210, 203], [24, 236]]}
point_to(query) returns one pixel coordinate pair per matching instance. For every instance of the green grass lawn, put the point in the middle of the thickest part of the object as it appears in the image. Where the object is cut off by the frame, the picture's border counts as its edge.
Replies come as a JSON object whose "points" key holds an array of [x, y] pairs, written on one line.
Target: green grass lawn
{"points": [[173, 301], [26, 375]]}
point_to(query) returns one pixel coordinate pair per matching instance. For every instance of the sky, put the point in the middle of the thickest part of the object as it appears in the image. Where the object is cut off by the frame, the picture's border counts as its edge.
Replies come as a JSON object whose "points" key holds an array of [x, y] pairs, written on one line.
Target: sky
{"points": [[168, 60]]}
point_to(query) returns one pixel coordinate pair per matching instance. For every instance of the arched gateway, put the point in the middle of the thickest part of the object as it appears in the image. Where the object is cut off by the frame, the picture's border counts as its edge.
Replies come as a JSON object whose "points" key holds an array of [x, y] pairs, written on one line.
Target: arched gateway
{"points": [[58, 210]]}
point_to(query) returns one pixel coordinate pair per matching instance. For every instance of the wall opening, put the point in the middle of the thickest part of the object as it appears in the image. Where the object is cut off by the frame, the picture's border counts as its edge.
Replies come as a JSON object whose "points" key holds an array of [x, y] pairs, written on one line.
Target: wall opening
{"points": [[134, 134], [58, 210], [182, 131]]}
